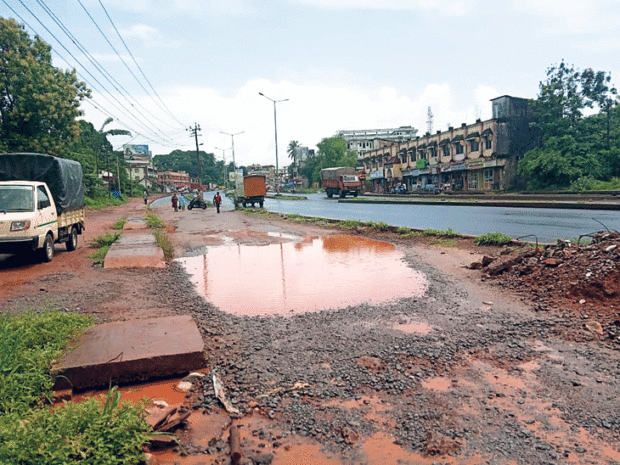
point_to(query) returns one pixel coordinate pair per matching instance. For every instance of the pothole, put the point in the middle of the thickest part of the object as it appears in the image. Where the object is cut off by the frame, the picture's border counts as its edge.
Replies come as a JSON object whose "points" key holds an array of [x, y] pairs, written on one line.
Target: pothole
{"points": [[312, 274]]}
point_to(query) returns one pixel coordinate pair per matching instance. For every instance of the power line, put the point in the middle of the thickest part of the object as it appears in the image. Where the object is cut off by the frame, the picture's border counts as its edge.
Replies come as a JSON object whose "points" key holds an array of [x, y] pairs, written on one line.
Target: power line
{"points": [[136, 63], [129, 114]]}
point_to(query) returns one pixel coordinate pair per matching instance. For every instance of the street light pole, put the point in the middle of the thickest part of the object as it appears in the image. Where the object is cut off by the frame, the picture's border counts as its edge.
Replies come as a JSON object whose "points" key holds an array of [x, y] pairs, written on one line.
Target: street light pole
{"points": [[225, 167], [275, 125], [232, 136]]}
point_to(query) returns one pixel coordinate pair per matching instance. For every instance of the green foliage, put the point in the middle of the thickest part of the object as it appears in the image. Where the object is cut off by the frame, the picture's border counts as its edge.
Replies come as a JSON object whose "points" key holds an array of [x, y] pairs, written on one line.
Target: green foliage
{"points": [[165, 244], [573, 146], [100, 253], [29, 344], [332, 152], [39, 103], [380, 226], [99, 202], [85, 433], [153, 221], [104, 239], [178, 160], [120, 223], [445, 243], [493, 238], [439, 233], [589, 183]]}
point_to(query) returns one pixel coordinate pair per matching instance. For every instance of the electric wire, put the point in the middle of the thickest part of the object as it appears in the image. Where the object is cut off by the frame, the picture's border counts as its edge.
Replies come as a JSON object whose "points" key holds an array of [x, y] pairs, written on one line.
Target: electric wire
{"points": [[123, 110], [137, 65], [95, 63]]}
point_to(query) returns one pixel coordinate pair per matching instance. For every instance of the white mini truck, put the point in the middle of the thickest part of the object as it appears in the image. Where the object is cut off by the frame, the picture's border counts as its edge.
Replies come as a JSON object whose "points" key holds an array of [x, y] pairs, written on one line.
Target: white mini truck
{"points": [[41, 203]]}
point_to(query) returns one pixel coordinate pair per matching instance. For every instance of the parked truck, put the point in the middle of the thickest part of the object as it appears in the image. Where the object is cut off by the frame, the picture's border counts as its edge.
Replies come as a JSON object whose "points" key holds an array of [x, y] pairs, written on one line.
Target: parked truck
{"points": [[41, 203], [340, 181], [250, 190]]}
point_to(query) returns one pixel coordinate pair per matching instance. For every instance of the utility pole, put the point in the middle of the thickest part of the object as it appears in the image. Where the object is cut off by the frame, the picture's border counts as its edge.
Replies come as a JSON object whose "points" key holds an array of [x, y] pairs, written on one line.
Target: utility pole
{"points": [[194, 132], [233, 145]]}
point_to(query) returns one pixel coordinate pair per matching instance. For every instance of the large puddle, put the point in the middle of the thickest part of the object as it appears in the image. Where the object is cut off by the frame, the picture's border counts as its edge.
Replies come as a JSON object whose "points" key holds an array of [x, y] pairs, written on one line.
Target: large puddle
{"points": [[314, 274]]}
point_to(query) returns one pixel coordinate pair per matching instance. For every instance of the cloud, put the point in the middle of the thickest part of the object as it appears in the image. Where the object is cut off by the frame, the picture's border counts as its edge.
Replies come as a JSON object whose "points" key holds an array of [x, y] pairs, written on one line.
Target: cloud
{"points": [[314, 111], [449, 7], [149, 36], [180, 7]]}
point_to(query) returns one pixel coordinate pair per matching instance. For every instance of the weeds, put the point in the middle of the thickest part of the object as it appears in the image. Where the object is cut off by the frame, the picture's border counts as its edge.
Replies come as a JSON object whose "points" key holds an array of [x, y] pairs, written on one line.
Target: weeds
{"points": [[97, 203], [380, 226], [103, 242], [153, 221], [445, 243], [120, 223], [164, 243], [493, 238], [439, 233]]}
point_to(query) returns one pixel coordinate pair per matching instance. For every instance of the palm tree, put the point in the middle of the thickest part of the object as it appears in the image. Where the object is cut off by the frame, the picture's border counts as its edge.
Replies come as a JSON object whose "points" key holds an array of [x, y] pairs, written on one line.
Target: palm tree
{"points": [[104, 145], [292, 152]]}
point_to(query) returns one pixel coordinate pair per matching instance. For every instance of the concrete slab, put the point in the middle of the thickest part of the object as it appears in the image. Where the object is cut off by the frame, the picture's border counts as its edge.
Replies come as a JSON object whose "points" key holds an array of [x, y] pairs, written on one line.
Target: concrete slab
{"points": [[131, 351], [135, 223], [135, 250]]}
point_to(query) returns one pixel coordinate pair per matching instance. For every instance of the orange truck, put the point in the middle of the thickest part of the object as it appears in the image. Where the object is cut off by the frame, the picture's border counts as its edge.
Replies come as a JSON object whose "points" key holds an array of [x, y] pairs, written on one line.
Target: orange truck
{"points": [[251, 190], [341, 181]]}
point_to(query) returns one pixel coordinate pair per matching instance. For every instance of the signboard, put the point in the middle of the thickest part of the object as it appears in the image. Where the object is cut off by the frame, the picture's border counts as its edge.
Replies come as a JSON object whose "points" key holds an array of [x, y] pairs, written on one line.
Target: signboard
{"points": [[378, 174], [131, 150], [421, 163]]}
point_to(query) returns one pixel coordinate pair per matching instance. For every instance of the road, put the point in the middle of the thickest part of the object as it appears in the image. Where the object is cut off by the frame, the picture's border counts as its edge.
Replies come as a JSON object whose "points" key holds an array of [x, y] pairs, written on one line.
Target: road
{"points": [[547, 224]]}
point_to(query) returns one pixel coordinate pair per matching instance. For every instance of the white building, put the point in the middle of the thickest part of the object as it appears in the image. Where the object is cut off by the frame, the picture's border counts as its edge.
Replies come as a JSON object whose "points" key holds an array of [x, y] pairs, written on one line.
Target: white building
{"points": [[365, 140]]}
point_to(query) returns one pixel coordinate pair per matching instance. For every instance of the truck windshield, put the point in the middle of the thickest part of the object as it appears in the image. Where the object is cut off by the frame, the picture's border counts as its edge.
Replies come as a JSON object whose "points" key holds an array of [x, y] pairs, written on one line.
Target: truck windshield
{"points": [[16, 199], [349, 178]]}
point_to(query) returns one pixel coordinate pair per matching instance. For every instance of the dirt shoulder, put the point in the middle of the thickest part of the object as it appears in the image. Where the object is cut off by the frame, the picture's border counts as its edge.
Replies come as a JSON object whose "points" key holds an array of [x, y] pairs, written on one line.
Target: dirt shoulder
{"points": [[468, 373]]}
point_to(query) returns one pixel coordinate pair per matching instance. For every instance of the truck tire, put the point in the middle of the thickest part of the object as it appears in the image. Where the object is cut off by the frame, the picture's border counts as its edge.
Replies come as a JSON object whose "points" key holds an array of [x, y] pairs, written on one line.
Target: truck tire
{"points": [[261, 203], [355, 194], [46, 253], [342, 194], [72, 243], [330, 194]]}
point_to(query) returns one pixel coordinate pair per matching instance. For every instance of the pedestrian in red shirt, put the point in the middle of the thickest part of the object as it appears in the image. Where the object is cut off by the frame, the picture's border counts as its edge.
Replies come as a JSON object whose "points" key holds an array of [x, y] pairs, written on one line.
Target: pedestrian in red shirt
{"points": [[217, 200]]}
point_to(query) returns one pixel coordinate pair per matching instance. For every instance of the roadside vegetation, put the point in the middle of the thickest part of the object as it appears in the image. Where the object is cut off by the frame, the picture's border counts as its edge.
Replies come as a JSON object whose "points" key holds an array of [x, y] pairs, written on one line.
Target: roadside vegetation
{"points": [[33, 433], [493, 238], [120, 223], [103, 242], [153, 221], [163, 240]]}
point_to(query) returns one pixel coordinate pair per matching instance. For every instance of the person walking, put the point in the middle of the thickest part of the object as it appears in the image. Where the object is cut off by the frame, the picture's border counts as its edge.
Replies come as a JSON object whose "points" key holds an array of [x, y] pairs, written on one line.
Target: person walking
{"points": [[146, 197], [217, 200], [182, 202], [175, 202]]}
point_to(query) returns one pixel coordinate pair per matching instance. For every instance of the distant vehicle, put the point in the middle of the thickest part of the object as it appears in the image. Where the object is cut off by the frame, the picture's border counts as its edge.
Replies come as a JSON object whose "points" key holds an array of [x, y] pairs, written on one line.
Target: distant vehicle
{"points": [[340, 181], [41, 203], [431, 189], [250, 190]]}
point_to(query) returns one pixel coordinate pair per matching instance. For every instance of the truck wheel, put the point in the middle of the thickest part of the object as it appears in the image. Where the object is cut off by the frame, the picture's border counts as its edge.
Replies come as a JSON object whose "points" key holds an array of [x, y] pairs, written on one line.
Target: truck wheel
{"points": [[342, 194], [330, 194], [46, 253], [355, 194], [244, 204], [72, 243], [261, 203]]}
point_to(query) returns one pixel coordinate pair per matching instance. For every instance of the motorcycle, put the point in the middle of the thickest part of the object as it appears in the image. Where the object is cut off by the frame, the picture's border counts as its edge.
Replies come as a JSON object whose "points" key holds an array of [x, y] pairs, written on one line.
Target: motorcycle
{"points": [[197, 203]]}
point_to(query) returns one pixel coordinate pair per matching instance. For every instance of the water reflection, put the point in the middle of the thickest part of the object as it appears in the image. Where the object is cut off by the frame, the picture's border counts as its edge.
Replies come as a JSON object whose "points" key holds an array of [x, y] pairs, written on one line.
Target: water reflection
{"points": [[313, 274]]}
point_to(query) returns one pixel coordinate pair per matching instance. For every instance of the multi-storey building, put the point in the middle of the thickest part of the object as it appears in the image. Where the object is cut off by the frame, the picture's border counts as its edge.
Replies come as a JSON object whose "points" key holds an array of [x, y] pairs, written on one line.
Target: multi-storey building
{"points": [[173, 179], [366, 140], [479, 156]]}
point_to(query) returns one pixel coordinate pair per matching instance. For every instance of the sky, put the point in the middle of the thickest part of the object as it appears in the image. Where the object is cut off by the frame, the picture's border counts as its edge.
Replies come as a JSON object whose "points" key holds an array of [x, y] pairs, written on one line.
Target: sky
{"points": [[342, 64]]}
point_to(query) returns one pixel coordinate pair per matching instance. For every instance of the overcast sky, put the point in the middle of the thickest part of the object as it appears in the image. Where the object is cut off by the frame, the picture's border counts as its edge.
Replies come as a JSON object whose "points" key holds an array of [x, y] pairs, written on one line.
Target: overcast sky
{"points": [[342, 64]]}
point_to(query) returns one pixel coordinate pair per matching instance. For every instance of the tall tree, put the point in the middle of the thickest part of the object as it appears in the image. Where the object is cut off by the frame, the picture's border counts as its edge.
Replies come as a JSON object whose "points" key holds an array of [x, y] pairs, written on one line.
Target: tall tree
{"points": [[333, 152], [39, 104]]}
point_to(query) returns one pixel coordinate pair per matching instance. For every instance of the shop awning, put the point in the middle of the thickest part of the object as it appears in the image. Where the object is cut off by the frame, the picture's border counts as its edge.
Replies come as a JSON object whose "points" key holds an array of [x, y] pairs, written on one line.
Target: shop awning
{"points": [[473, 135], [457, 138]]}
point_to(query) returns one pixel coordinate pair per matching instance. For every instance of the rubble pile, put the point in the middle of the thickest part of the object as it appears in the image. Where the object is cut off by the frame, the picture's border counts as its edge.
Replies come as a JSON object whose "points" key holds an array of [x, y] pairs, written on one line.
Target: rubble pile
{"points": [[563, 274]]}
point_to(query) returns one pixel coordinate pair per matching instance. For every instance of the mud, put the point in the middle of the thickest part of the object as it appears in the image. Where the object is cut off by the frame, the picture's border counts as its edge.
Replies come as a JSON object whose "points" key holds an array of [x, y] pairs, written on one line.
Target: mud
{"points": [[468, 372]]}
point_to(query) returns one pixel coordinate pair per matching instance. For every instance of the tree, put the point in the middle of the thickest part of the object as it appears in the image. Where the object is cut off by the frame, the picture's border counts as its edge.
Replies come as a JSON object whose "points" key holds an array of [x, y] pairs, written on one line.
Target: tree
{"points": [[179, 160], [39, 103], [573, 145], [292, 145], [333, 152]]}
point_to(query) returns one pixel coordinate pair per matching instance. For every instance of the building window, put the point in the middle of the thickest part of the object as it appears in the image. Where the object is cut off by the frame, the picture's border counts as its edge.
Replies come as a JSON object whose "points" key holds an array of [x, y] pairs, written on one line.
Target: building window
{"points": [[489, 143], [475, 146], [472, 180], [488, 179], [432, 152], [446, 150], [459, 149]]}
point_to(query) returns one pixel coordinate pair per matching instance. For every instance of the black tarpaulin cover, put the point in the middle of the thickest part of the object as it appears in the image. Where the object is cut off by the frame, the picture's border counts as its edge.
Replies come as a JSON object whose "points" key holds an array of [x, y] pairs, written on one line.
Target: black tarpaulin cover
{"points": [[63, 177]]}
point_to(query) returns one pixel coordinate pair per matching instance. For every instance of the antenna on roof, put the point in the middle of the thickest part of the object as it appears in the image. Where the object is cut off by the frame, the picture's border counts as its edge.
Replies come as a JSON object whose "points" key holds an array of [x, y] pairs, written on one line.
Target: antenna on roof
{"points": [[429, 121]]}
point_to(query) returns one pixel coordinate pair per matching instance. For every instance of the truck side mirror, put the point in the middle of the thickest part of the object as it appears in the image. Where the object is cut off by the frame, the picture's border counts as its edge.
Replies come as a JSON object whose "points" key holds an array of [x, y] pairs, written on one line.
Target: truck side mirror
{"points": [[43, 204]]}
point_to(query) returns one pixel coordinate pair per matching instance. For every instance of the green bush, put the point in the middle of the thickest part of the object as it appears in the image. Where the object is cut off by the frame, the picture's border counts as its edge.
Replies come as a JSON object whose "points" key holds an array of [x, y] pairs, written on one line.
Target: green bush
{"points": [[120, 223], [493, 238], [165, 244], [29, 344], [153, 221], [440, 233], [104, 239], [99, 202]]}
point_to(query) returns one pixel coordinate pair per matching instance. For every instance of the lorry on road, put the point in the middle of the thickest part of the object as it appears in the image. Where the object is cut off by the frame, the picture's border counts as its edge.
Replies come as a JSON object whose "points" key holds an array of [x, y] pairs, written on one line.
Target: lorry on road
{"points": [[341, 181], [41, 203], [250, 189]]}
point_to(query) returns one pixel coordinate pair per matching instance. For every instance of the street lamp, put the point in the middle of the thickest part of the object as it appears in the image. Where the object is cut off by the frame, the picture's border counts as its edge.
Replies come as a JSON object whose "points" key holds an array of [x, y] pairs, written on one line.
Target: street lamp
{"points": [[233, 144], [225, 167], [275, 125]]}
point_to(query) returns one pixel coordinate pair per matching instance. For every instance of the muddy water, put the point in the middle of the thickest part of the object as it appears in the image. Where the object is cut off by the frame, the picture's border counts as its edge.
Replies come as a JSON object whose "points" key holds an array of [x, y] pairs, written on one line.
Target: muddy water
{"points": [[316, 273]]}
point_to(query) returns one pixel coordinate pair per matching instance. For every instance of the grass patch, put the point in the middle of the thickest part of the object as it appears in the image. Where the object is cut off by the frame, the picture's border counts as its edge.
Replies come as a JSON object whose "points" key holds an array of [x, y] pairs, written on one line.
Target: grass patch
{"points": [[586, 240], [379, 226], [97, 203], [103, 242], [153, 221], [445, 242], [164, 243], [439, 233], [493, 238], [29, 344], [32, 433], [120, 223]]}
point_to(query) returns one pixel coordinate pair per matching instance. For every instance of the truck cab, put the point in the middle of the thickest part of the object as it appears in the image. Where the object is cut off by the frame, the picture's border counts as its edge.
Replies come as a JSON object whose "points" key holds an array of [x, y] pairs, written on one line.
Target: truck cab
{"points": [[29, 219]]}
